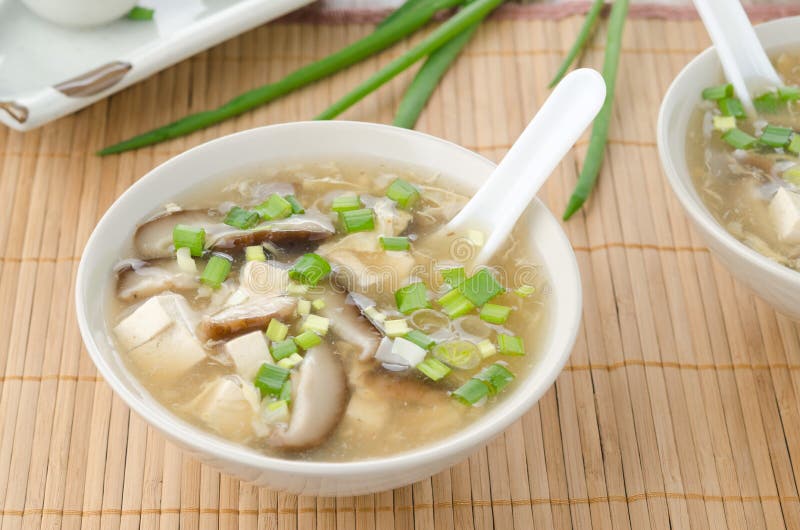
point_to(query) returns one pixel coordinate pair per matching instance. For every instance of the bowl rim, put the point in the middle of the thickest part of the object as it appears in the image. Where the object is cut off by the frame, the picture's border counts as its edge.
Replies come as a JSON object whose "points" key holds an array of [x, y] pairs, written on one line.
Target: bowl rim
{"points": [[684, 188], [478, 432]]}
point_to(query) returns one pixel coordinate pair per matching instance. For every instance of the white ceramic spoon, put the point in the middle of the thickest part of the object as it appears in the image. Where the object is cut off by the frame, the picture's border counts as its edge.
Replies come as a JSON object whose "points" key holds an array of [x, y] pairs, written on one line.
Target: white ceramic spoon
{"points": [[743, 59], [497, 205]]}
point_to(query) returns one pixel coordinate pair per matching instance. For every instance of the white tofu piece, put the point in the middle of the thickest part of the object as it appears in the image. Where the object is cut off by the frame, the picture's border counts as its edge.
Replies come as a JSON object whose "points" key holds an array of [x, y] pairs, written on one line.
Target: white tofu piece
{"points": [[147, 321], [248, 353], [229, 405], [784, 208]]}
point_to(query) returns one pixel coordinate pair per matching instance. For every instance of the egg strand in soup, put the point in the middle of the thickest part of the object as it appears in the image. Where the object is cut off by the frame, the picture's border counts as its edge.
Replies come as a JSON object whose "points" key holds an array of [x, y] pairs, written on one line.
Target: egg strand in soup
{"points": [[319, 312], [747, 169]]}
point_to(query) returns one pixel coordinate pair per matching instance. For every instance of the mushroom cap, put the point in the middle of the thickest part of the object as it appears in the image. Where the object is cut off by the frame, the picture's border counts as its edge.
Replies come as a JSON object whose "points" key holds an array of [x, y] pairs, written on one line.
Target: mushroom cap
{"points": [[254, 313]]}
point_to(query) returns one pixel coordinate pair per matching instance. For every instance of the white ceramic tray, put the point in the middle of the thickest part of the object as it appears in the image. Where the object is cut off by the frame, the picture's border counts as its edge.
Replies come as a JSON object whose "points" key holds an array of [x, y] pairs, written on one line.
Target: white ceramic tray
{"points": [[47, 71]]}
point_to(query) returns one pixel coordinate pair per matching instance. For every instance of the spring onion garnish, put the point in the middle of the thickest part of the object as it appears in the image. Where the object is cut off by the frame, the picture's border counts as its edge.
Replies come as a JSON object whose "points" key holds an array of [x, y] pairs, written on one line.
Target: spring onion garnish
{"points": [[731, 107], [346, 202], [510, 345], [480, 287], [394, 243], [715, 93], [471, 392], [361, 220], [290, 361], [723, 123], [455, 304], [307, 340], [286, 389], [433, 368], [792, 175], [185, 261], [412, 297], [296, 206], [374, 315], [275, 412], [296, 289], [318, 304], [453, 276], [789, 93], [586, 31], [241, 218], [775, 136], [282, 349], [275, 207], [216, 271], [277, 330], [316, 324], [496, 377], [494, 313], [739, 139], [766, 103], [270, 378], [403, 193], [420, 339], [140, 13], [309, 269], [303, 307], [794, 145], [486, 348], [255, 253], [190, 237], [396, 328], [459, 354], [524, 291]]}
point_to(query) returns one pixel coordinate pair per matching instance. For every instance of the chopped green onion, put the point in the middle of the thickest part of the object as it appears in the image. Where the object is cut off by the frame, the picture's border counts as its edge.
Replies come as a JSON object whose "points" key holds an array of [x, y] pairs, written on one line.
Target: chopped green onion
{"points": [[731, 107], [241, 218], [275, 412], [454, 276], [282, 349], [789, 93], [486, 348], [459, 354], [190, 237], [141, 13], [420, 339], [396, 328], [403, 193], [723, 123], [286, 389], [277, 330], [494, 313], [318, 304], [307, 340], [794, 145], [296, 289], [255, 253], [455, 304], [524, 291], [775, 136], [373, 314], [317, 324], [480, 287], [303, 307], [216, 271], [433, 368], [510, 345], [296, 206], [584, 34], [412, 297], [345, 203], [767, 103], [275, 207], [496, 377], [792, 175], [395, 243], [290, 361], [270, 378], [185, 261], [309, 269], [471, 392], [715, 93], [739, 139], [361, 220]]}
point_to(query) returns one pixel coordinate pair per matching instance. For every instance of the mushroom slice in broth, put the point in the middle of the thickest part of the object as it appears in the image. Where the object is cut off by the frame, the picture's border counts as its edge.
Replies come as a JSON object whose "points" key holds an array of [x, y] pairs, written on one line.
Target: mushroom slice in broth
{"points": [[137, 280], [253, 313]]}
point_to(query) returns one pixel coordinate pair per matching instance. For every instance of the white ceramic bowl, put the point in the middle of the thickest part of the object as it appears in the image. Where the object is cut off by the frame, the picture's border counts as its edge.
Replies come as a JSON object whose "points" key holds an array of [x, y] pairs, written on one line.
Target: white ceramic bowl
{"points": [[80, 13], [320, 140], [778, 285]]}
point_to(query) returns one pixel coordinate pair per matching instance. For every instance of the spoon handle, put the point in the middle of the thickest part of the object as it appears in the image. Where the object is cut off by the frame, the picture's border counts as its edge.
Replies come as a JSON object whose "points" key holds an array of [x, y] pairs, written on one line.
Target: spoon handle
{"points": [[561, 120], [743, 59]]}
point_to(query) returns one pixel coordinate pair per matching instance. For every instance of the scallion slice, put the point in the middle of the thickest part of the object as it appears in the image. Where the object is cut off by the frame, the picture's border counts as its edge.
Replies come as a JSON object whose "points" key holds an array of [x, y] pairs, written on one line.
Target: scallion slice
{"points": [[494, 313], [290, 361], [433, 368], [486, 348], [361, 220], [496, 377], [767, 103], [241, 218], [723, 123], [460, 354], [346, 202], [270, 378], [739, 139], [396, 328], [510, 345], [731, 107], [190, 237], [792, 175], [216, 271], [471, 392], [309, 269], [255, 253], [715, 93], [282, 349], [318, 304], [275, 207], [412, 297], [455, 304], [317, 324], [789, 93], [296, 206], [524, 291], [395, 243], [141, 13], [307, 340], [775, 136], [185, 260], [480, 287], [420, 339], [794, 145], [303, 307], [286, 390], [403, 193], [453, 276], [277, 330]]}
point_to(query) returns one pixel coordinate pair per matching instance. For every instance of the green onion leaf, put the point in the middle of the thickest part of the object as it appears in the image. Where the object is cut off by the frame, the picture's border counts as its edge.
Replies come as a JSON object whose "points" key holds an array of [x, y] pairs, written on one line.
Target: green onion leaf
{"points": [[486, 348], [496, 377], [776, 136], [307, 340], [789, 93], [412, 297], [510, 345], [586, 31], [420, 339], [270, 379], [309, 269], [290, 361], [296, 206], [524, 291], [277, 330], [433, 368], [241, 218], [286, 391], [255, 253], [403, 193], [189, 237], [455, 304], [275, 207], [715, 93], [216, 271], [346, 202], [395, 243], [731, 107], [460, 354], [141, 13], [480, 287], [471, 392], [361, 220], [454, 276], [739, 139], [794, 145], [282, 349], [767, 103], [792, 175], [396, 328], [723, 123], [495, 314], [316, 324]]}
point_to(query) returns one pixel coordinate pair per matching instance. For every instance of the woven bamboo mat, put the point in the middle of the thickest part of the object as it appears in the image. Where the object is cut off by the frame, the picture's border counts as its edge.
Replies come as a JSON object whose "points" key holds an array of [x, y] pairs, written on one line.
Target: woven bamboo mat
{"points": [[679, 406]]}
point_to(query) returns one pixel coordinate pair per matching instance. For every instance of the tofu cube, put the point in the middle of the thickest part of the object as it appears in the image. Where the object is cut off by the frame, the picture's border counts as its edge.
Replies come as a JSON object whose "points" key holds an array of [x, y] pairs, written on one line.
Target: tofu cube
{"points": [[229, 405], [146, 322], [784, 208], [248, 353]]}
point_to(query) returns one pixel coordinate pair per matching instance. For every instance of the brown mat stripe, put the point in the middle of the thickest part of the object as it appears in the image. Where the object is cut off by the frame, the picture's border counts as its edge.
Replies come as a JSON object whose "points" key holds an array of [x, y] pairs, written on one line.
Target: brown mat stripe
{"points": [[678, 408]]}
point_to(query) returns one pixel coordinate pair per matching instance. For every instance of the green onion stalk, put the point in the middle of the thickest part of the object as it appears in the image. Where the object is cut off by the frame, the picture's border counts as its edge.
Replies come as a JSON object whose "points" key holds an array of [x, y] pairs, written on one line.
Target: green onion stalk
{"points": [[597, 141], [586, 31], [405, 21]]}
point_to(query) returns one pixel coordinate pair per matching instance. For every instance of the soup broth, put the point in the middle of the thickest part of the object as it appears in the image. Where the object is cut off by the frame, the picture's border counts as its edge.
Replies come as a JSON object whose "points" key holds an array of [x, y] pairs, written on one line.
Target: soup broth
{"points": [[386, 352]]}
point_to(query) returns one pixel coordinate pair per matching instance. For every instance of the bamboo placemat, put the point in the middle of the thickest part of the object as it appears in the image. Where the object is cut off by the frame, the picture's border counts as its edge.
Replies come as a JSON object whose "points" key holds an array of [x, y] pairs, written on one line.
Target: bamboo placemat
{"points": [[678, 408]]}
